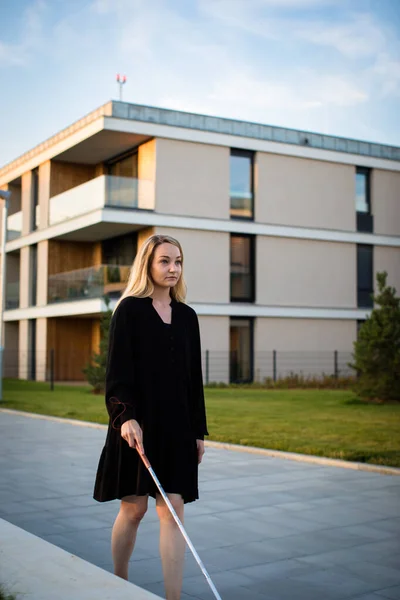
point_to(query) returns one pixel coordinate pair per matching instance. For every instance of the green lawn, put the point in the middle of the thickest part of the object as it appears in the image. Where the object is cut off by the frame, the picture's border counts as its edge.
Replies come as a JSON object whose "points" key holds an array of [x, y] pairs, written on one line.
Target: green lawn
{"points": [[332, 423]]}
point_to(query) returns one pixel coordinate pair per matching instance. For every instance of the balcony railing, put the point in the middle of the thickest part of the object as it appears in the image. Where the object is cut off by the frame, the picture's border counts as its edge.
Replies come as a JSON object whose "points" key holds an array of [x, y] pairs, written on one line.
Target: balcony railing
{"points": [[92, 282], [12, 295], [103, 191]]}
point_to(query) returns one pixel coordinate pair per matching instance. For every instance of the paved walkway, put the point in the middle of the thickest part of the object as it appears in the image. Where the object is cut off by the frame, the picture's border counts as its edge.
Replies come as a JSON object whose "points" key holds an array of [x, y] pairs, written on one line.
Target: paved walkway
{"points": [[265, 528]]}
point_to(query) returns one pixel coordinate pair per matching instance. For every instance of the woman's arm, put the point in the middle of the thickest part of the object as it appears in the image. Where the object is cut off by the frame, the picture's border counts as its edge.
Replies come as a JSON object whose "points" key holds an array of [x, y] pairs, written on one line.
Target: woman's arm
{"points": [[199, 410], [120, 372]]}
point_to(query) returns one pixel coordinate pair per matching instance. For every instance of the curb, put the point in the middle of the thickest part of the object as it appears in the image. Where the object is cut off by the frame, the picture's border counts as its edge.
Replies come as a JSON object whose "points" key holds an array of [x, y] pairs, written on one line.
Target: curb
{"points": [[308, 458]]}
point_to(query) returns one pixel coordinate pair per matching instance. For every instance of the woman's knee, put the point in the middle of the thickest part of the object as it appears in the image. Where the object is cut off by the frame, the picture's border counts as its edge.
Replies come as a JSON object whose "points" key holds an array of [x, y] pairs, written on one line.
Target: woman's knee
{"points": [[134, 507], [163, 511]]}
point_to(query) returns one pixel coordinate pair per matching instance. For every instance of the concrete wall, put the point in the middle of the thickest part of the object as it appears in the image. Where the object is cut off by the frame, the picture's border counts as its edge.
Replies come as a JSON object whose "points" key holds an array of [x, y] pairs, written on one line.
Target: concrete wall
{"points": [[192, 179], [303, 346], [214, 333], [42, 273], [26, 202], [41, 349], [388, 259], [385, 201], [206, 263], [305, 273], [44, 194], [147, 175], [23, 345], [304, 193]]}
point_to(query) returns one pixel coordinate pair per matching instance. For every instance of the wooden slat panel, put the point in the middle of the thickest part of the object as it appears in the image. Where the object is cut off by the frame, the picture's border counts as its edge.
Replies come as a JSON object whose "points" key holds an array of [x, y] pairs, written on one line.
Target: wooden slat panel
{"points": [[72, 341], [68, 256]]}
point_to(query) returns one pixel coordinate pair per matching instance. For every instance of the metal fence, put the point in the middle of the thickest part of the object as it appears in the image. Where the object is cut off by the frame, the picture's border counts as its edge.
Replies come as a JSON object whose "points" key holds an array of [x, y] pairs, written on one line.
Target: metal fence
{"points": [[218, 367]]}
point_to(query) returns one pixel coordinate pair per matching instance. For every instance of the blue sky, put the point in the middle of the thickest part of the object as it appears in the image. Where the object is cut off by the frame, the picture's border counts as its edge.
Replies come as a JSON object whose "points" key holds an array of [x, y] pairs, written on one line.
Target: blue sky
{"points": [[331, 66]]}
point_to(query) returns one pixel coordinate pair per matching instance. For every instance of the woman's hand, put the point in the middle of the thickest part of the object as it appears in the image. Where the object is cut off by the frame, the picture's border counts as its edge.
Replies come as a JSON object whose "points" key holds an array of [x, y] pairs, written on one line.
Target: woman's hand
{"points": [[200, 450], [132, 433]]}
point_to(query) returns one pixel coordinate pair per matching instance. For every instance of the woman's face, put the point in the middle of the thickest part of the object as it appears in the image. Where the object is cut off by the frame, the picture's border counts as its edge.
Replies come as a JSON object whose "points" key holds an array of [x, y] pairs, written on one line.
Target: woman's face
{"points": [[166, 267]]}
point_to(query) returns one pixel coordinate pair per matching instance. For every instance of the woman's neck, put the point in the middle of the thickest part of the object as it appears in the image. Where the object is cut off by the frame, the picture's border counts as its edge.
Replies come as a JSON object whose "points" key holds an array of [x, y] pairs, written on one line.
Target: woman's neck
{"points": [[161, 295]]}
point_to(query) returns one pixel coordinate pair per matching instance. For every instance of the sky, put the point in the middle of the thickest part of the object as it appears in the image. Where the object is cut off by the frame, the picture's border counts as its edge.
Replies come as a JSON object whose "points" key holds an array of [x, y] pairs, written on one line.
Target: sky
{"points": [[329, 66]]}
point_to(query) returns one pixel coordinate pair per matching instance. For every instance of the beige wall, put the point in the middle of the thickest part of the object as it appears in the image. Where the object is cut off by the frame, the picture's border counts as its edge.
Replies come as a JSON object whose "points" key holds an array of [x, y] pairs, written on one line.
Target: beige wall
{"points": [[206, 268], [192, 179], [26, 203], [23, 349], [44, 194], [24, 278], [147, 175], [304, 193], [41, 349], [305, 273], [42, 273], [388, 259], [294, 338], [214, 333], [385, 201]]}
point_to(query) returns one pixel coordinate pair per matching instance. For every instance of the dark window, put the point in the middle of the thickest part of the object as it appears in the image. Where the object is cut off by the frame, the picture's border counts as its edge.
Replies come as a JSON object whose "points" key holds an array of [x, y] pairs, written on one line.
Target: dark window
{"points": [[363, 200], [35, 200], [364, 276], [32, 349], [124, 166], [241, 350], [242, 184], [32, 275], [242, 268], [120, 250]]}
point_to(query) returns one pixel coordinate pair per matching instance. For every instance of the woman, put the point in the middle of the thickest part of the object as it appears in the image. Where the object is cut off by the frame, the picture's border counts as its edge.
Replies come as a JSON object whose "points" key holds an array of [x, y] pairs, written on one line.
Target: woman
{"points": [[155, 400]]}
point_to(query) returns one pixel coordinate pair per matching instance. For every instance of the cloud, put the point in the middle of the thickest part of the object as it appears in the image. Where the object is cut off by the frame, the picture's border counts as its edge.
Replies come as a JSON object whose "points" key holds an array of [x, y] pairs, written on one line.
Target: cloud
{"points": [[31, 37]]}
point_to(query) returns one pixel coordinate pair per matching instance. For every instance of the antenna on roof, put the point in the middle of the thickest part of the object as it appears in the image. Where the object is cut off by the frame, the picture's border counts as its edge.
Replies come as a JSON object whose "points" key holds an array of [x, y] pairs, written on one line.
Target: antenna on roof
{"points": [[121, 79]]}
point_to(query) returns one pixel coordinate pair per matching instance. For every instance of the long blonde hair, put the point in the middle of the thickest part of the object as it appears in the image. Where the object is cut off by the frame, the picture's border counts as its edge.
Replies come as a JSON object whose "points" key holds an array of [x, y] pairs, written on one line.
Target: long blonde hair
{"points": [[139, 282]]}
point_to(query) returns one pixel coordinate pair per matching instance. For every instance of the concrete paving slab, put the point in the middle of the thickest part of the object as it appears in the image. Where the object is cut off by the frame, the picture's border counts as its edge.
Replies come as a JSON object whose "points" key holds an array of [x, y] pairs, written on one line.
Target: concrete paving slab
{"points": [[265, 526]]}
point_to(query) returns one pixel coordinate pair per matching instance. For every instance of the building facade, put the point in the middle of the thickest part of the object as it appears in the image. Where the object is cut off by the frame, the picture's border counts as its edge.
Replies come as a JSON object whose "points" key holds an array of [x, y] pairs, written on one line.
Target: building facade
{"points": [[283, 233]]}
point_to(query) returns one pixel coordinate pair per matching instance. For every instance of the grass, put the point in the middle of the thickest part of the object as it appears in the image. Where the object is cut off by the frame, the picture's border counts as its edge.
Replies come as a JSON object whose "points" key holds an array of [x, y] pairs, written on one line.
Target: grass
{"points": [[331, 423]]}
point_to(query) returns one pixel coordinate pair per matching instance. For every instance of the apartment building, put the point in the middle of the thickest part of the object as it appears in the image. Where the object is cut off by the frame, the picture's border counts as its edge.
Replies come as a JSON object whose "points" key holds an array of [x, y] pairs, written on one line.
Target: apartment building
{"points": [[283, 233]]}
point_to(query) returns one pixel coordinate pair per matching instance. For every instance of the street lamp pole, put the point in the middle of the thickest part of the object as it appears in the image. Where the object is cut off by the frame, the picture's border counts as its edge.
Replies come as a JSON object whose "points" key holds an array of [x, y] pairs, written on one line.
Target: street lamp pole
{"points": [[4, 195]]}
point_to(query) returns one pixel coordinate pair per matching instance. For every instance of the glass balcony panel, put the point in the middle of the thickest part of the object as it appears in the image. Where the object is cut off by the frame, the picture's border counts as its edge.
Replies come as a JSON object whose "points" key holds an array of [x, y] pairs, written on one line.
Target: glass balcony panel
{"points": [[14, 226], [92, 282], [12, 295]]}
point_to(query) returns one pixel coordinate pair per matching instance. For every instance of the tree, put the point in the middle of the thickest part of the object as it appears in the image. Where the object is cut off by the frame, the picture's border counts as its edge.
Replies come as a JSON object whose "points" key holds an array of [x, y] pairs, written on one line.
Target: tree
{"points": [[377, 350], [95, 370]]}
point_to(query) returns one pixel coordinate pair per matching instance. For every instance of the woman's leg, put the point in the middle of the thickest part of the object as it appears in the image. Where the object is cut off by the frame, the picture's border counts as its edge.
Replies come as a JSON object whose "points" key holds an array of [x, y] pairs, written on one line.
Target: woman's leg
{"points": [[172, 545], [123, 537]]}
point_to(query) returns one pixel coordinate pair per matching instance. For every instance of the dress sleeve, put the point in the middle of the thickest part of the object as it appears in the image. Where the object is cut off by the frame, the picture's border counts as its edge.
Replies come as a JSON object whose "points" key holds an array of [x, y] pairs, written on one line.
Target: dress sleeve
{"points": [[200, 420], [120, 371]]}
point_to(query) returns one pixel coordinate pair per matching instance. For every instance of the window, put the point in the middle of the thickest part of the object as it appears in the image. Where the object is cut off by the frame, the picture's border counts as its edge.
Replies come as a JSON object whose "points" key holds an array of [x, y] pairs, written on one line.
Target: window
{"points": [[120, 250], [241, 350], [242, 268], [241, 184], [32, 275], [364, 276], [35, 200], [363, 200]]}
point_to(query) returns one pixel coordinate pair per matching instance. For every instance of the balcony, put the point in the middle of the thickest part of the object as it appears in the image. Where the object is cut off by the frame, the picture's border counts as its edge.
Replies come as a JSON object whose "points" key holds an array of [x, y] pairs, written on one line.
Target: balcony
{"points": [[92, 282], [106, 191]]}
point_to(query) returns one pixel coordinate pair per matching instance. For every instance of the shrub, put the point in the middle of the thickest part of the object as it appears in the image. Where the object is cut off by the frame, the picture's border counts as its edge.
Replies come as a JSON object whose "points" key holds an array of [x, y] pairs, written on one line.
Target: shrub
{"points": [[376, 354], [95, 370]]}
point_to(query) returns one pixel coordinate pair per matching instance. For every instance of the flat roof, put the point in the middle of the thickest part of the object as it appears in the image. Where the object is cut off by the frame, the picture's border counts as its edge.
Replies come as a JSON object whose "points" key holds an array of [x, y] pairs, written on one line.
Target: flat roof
{"points": [[174, 118]]}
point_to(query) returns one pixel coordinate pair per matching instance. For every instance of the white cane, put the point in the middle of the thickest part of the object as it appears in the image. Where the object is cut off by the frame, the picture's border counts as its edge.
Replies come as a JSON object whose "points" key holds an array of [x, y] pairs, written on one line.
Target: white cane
{"points": [[179, 523]]}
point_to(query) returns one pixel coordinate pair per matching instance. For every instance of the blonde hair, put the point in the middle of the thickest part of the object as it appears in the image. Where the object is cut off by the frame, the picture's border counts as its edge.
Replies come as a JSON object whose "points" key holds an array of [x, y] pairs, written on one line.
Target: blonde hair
{"points": [[140, 283]]}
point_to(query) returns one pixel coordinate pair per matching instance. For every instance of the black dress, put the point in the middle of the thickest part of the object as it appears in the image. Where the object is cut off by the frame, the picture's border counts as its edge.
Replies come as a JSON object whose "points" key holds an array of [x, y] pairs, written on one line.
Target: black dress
{"points": [[154, 376]]}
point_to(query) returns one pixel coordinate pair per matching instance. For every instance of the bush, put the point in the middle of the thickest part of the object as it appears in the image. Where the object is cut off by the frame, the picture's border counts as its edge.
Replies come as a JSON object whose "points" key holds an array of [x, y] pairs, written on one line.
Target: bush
{"points": [[4, 595], [377, 351], [293, 381], [95, 370]]}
